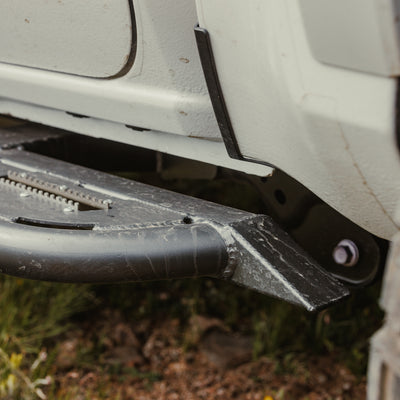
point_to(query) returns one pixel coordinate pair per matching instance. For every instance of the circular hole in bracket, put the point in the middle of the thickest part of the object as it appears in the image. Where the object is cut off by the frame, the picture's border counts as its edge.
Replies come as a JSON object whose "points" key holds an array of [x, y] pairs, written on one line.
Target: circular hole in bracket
{"points": [[280, 196], [187, 220]]}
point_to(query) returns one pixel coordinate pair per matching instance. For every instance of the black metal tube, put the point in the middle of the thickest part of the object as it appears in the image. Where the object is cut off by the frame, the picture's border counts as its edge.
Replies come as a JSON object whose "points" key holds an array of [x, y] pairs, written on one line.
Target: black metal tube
{"points": [[65, 255]]}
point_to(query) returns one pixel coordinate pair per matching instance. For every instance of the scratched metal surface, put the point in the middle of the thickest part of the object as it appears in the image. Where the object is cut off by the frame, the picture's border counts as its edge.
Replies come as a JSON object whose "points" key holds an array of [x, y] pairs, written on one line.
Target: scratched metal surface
{"points": [[24, 134], [267, 246], [144, 233]]}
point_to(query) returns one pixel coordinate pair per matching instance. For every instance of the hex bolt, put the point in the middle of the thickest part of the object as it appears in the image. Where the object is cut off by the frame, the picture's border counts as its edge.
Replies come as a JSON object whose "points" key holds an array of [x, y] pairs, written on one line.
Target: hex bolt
{"points": [[346, 253]]}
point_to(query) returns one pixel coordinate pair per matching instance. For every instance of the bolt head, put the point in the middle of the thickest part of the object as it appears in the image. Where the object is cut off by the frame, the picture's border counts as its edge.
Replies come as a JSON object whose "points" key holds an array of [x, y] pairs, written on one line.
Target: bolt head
{"points": [[346, 253]]}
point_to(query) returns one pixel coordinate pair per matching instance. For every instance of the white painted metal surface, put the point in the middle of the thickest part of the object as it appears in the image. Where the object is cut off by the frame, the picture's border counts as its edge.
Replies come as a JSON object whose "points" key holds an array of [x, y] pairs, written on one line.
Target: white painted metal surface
{"points": [[209, 151], [90, 38], [165, 89], [330, 128], [357, 34]]}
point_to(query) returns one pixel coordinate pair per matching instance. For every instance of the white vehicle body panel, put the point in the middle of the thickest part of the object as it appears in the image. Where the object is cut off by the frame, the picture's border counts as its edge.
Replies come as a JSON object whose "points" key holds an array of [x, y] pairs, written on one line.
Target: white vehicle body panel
{"points": [[208, 151], [357, 34], [90, 38], [330, 128], [165, 89]]}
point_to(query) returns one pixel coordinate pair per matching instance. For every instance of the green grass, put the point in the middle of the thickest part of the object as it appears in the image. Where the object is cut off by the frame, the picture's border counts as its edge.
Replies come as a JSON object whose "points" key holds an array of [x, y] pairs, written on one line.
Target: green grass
{"points": [[31, 313]]}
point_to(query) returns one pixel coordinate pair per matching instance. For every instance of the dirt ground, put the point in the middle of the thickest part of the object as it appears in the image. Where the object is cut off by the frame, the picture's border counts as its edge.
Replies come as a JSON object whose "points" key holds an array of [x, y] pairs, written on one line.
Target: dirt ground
{"points": [[203, 360]]}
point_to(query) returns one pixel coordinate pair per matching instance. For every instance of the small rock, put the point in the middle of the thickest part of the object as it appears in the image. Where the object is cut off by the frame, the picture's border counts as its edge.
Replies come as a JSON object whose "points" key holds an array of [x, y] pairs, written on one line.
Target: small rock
{"points": [[226, 350], [177, 368], [67, 354], [346, 386], [199, 325], [123, 335], [125, 355]]}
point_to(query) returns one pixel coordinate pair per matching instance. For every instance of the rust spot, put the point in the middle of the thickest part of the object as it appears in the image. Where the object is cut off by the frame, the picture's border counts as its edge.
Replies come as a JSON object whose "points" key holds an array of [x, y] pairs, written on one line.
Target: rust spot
{"points": [[184, 60], [182, 112], [27, 20]]}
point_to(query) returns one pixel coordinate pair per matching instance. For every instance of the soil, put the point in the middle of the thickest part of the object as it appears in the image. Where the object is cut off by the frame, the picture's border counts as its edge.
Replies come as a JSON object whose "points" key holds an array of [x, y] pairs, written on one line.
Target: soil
{"points": [[109, 357]]}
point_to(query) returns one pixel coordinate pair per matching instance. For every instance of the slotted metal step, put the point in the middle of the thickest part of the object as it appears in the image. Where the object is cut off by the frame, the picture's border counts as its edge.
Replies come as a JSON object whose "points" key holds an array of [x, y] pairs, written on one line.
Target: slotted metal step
{"points": [[61, 222]]}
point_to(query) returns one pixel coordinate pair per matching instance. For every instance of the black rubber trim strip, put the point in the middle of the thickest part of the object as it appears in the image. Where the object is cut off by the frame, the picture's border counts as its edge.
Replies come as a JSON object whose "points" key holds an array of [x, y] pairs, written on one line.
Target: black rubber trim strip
{"points": [[217, 98], [132, 54], [214, 89], [397, 116], [53, 224]]}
